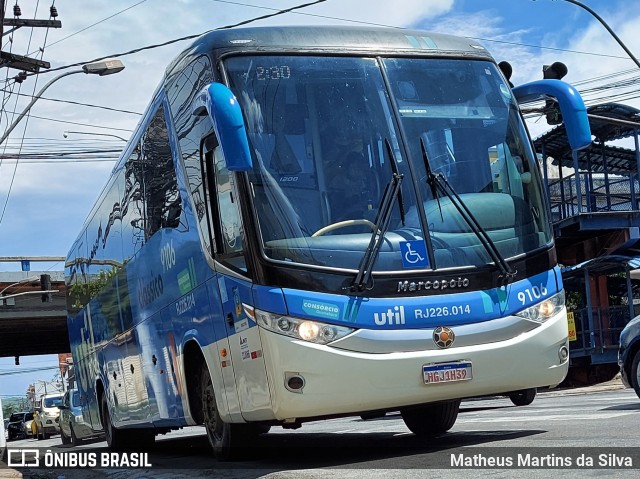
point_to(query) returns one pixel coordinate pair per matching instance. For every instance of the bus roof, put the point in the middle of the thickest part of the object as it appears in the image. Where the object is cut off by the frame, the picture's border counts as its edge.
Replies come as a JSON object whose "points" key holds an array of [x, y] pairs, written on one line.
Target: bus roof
{"points": [[332, 39]]}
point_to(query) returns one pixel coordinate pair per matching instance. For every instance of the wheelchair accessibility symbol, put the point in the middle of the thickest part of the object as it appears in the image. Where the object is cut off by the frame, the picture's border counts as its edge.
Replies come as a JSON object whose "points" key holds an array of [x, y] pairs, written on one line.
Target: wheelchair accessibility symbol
{"points": [[414, 254]]}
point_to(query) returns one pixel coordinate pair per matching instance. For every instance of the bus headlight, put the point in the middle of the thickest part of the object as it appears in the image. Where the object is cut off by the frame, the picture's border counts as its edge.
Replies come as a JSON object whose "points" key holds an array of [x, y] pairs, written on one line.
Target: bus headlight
{"points": [[307, 330], [545, 309]]}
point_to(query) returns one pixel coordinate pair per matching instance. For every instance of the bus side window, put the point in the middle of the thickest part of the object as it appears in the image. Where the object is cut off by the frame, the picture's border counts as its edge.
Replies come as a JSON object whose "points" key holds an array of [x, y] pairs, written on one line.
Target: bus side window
{"points": [[160, 185], [183, 85], [227, 222]]}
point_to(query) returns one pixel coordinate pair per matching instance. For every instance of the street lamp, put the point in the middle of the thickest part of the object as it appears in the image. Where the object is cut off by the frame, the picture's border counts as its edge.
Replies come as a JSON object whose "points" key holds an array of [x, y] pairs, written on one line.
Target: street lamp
{"points": [[101, 68], [604, 24], [66, 134]]}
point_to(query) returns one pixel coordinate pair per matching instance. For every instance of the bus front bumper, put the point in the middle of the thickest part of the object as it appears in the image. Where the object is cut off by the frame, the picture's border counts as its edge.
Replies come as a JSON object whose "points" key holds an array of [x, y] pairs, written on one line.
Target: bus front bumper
{"points": [[336, 382]]}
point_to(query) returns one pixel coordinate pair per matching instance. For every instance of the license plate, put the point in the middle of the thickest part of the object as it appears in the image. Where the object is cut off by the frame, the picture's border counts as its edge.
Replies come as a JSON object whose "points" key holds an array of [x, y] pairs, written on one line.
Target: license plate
{"points": [[447, 372]]}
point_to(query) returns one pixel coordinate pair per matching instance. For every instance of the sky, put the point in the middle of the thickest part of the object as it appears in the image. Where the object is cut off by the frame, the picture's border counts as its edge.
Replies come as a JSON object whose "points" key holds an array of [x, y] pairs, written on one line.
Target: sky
{"points": [[44, 201]]}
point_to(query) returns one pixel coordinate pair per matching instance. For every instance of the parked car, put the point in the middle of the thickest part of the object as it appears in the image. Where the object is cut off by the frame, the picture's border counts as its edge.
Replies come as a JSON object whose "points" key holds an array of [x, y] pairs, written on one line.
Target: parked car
{"points": [[19, 426], [28, 424], [48, 416], [629, 354], [73, 428]]}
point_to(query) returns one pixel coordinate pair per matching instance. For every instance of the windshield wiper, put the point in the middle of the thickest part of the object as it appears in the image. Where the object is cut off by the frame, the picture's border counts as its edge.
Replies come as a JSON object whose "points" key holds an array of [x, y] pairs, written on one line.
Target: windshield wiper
{"points": [[439, 184], [391, 193], [431, 178]]}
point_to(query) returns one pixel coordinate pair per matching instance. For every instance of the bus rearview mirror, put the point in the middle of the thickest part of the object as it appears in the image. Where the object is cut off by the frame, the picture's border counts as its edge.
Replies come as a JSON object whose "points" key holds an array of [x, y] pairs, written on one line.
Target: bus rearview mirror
{"points": [[223, 109], [574, 112]]}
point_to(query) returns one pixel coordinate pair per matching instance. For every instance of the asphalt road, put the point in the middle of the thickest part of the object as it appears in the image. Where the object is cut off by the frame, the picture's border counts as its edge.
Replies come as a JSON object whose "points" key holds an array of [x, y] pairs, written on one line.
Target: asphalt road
{"points": [[598, 423]]}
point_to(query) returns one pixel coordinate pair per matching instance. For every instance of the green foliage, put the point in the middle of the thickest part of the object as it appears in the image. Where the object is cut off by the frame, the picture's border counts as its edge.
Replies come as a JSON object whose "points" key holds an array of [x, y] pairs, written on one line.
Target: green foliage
{"points": [[82, 293], [14, 404], [574, 300]]}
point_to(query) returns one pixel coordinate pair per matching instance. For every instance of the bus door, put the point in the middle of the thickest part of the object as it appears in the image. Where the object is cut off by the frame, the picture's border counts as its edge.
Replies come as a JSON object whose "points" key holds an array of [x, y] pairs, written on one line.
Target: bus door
{"points": [[242, 367]]}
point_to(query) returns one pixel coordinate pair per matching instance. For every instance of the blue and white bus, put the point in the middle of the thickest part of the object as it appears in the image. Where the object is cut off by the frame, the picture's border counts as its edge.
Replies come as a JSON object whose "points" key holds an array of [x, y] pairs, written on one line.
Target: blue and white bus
{"points": [[314, 222]]}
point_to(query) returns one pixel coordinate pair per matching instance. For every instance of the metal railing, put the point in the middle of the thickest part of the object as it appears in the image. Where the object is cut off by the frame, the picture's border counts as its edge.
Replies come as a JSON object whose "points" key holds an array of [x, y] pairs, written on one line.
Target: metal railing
{"points": [[602, 333], [597, 193]]}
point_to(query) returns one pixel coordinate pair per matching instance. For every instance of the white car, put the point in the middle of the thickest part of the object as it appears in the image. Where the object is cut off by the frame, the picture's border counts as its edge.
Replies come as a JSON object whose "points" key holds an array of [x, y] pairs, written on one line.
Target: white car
{"points": [[47, 418]]}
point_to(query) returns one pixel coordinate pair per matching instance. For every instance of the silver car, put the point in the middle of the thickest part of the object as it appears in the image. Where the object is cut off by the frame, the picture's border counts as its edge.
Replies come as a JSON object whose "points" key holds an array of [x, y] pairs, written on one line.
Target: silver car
{"points": [[73, 428]]}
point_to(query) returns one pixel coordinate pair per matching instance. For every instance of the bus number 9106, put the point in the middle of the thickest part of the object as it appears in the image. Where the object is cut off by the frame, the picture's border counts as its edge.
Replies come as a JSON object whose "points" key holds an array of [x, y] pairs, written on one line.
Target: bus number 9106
{"points": [[532, 294]]}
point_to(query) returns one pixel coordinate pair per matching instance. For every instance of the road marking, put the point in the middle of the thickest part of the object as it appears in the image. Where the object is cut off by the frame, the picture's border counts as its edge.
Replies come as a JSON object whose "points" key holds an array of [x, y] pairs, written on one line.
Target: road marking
{"points": [[630, 397], [550, 417]]}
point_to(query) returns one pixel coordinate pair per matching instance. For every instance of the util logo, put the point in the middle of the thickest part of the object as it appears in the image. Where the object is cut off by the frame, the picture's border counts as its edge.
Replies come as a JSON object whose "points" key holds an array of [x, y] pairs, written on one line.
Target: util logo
{"points": [[393, 316]]}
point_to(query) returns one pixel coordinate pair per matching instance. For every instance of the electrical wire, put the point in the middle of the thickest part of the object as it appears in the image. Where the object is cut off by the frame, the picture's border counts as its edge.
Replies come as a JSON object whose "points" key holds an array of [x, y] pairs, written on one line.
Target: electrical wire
{"points": [[66, 122], [280, 12], [97, 23], [328, 17], [188, 37], [292, 10], [71, 102], [26, 122], [244, 22], [28, 370]]}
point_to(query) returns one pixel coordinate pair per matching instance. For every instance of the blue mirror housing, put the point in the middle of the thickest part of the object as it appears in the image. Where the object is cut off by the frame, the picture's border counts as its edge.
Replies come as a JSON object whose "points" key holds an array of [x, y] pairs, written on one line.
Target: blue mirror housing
{"points": [[574, 113], [223, 108]]}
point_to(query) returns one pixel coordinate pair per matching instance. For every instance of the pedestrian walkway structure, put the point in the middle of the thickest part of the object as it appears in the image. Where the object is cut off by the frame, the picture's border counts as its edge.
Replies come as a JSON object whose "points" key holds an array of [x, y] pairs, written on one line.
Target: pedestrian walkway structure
{"points": [[596, 219], [29, 325]]}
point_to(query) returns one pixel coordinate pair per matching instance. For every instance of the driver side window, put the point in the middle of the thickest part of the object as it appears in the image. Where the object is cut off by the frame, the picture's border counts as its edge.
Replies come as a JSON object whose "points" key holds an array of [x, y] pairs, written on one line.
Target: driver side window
{"points": [[228, 226]]}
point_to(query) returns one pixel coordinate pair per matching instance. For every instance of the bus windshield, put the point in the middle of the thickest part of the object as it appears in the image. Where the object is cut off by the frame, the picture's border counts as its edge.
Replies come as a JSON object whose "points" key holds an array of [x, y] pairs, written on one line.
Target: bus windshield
{"points": [[326, 131]]}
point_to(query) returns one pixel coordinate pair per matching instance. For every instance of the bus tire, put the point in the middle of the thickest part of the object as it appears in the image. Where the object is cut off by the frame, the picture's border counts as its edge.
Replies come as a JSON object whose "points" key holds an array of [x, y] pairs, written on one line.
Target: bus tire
{"points": [[523, 397], [116, 438], [431, 419], [225, 438], [634, 377]]}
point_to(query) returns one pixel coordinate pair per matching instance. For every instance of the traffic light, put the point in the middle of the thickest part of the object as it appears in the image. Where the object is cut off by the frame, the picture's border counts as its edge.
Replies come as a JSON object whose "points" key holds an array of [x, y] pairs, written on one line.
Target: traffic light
{"points": [[45, 285], [555, 71]]}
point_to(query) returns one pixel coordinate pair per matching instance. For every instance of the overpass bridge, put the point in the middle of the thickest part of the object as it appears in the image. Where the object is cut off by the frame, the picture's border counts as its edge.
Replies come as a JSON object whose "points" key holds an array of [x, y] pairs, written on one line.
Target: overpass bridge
{"points": [[29, 326]]}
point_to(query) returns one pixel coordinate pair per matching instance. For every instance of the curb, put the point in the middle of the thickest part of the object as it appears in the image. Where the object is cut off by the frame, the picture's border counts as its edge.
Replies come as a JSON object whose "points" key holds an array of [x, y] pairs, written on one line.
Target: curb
{"points": [[9, 473]]}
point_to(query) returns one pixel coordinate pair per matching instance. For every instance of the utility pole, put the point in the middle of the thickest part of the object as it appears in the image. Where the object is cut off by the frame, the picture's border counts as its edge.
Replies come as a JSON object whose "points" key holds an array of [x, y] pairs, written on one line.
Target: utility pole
{"points": [[20, 62], [2, 8]]}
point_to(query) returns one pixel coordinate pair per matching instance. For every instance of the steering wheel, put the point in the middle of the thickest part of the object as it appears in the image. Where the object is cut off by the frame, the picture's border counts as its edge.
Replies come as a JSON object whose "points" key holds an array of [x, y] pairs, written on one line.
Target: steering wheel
{"points": [[343, 224]]}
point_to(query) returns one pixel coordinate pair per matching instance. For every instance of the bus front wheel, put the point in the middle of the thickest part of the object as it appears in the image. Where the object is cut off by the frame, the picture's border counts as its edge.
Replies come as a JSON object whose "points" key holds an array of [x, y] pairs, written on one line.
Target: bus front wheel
{"points": [[226, 439], [431, 419]]}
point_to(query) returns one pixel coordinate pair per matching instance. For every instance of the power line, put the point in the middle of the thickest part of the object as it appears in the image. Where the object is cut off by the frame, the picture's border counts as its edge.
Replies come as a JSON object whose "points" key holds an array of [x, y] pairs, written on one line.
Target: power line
{"points": [[188, 37], [97, 23], [55, 120], [59, 153], [106, 159], [27, 371], [77, 103], [26, 124], [394, 26], [244, 22], [548, 48], [308, 14]]}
